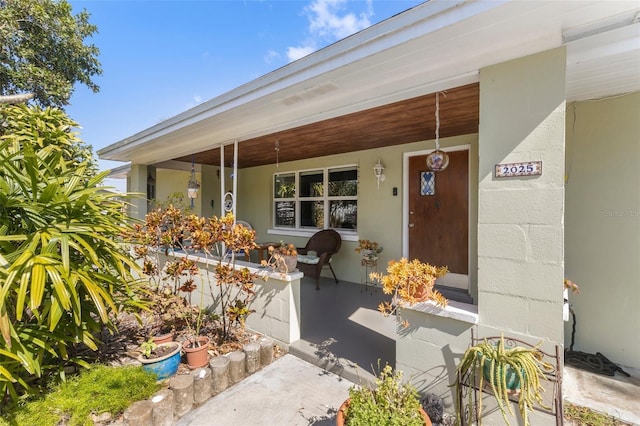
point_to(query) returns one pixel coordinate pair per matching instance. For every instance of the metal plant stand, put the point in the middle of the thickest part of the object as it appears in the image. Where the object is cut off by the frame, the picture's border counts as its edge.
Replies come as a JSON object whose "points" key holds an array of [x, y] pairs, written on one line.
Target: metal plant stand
{"points": [[367, 266], [553, 378]]}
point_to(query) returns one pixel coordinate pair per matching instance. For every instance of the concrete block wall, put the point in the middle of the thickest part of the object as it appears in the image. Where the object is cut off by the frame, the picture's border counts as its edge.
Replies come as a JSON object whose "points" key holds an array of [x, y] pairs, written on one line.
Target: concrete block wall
{"points": [[428, 351], [520, 219]]}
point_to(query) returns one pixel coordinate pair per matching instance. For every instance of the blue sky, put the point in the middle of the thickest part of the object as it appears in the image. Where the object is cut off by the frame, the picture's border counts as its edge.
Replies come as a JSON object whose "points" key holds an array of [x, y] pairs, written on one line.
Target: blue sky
{"points": [[160, 58]]}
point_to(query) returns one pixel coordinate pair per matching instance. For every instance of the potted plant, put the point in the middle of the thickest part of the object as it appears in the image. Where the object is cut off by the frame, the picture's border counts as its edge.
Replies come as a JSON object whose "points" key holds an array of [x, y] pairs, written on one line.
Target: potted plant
{"points": [[163, 359], [513, 371], [389, 402], [369, 250], [283, 258], [196, 347], [196, 350], [409, 282]]}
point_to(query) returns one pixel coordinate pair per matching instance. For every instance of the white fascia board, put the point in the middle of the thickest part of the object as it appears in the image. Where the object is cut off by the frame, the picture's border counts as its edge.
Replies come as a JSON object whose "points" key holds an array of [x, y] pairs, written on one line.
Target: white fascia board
{"points": [[120, 172]]}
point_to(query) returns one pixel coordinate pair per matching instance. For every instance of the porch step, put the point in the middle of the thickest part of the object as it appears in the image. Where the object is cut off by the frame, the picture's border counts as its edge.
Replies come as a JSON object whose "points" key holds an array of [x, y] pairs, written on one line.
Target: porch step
{"points": [[453, 293]]}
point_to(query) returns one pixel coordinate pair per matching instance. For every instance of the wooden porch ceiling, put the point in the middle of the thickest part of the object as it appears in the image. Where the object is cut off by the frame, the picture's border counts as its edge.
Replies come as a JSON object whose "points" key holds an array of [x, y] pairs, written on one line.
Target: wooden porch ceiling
{"points": [[397, 123]]}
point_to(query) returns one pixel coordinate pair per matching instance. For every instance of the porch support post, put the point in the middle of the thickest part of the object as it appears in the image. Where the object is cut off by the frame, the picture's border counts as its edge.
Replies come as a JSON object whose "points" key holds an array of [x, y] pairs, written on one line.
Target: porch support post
{"points": [[222, 179], [235, 177], [521, 219], [137, 182]]}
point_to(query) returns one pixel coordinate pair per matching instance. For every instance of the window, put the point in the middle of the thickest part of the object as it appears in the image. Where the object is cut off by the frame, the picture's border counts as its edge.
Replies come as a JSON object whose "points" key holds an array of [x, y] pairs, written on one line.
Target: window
{"points": [[316, 199]]}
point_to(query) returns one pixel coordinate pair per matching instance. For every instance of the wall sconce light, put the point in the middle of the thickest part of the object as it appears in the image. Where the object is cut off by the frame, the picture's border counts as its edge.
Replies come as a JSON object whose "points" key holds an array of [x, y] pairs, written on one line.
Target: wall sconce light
{"points": [[438, 160], [193, 186], [378, 170]]}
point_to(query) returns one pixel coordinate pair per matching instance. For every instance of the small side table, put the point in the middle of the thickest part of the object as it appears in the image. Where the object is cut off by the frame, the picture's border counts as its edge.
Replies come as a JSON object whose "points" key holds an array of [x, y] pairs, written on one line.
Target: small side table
{"points": [[264, 247], [367, 266]]}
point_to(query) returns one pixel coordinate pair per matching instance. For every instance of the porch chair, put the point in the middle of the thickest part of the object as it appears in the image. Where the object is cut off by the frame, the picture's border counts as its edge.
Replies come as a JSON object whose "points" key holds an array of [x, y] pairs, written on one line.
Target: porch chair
{"points": [[317, 253]]}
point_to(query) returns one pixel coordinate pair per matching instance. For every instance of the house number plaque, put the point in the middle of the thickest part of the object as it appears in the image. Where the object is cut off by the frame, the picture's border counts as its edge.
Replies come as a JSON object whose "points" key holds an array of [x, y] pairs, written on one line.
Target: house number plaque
{"points": [[531, 168]]}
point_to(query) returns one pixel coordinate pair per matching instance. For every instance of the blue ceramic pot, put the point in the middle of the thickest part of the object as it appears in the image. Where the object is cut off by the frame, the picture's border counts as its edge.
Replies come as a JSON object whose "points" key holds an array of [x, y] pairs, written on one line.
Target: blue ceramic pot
{"points": [[165, 366]]}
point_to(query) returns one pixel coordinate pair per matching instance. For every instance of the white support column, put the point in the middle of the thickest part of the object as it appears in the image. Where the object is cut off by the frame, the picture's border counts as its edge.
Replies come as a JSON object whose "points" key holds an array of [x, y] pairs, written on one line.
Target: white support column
{"points": [[137, 182], [222, 179], [235, 177], [521, 219]]}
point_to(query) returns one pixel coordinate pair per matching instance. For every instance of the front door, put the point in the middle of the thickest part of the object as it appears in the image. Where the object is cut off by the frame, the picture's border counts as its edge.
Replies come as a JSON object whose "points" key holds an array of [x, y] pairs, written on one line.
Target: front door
{"points": [[439, 212]]}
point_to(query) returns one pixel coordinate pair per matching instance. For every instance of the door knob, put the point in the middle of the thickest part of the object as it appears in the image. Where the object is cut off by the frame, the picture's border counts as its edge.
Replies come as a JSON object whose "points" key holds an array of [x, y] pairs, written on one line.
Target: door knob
{"points": [[411, 225]]}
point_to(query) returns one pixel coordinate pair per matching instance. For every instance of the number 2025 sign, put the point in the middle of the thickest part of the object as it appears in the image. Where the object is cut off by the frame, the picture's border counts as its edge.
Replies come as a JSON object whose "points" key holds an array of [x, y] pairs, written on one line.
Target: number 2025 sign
{"points": [[531, 168]]}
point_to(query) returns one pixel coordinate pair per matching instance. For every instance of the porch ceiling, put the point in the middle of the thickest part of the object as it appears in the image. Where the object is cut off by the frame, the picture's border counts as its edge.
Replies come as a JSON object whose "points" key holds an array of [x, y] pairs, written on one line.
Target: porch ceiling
{"points": [[397, 123]]}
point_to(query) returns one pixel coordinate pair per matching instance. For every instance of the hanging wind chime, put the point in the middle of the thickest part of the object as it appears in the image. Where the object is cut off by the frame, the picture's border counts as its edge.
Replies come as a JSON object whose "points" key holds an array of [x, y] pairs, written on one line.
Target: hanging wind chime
{"points": [[193, 186], [438, 160]]}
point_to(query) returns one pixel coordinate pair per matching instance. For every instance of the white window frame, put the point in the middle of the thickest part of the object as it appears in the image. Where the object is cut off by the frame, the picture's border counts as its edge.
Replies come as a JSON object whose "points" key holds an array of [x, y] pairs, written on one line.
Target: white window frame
{"points": [[299, 230]]}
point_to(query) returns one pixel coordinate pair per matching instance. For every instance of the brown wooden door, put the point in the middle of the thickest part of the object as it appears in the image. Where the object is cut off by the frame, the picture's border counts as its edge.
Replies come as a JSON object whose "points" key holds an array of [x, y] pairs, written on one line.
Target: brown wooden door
{"points": [[439, 223]]}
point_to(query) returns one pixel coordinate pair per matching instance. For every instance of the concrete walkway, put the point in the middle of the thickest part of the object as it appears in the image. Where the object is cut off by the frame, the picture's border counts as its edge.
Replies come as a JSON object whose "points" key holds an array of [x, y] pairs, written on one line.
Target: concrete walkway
{"points": [[618, 396], [289, 391], [297, 390]]}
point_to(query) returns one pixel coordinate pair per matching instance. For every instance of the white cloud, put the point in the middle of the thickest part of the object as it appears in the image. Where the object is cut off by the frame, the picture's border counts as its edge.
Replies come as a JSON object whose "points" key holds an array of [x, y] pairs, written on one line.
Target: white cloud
{"points": [[295, 53], [326, 20], [270, 56], [329, 21]]}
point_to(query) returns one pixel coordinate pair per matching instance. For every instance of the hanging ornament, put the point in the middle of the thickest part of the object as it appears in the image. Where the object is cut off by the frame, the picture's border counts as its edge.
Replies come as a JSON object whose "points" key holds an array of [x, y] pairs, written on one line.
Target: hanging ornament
{"points": [[277, 153], [193, 186], [438, 160]]}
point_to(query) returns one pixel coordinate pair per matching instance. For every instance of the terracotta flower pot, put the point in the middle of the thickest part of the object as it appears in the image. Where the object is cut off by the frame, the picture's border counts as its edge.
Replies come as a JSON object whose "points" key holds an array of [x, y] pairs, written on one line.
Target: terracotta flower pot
{"points": [[197, 356], [340, 419], [163, 338]]}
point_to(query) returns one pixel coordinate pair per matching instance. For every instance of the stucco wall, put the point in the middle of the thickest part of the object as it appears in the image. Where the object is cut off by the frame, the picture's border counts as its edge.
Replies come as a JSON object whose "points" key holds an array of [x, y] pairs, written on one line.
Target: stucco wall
{"points": [[379, 211], [603, 226], [276, 302], [169, 182]]}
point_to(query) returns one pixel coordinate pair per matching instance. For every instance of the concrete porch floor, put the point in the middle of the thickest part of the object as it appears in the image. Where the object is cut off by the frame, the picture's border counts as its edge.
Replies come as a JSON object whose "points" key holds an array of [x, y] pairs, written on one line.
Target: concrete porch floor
{"points": [[342, 332]]}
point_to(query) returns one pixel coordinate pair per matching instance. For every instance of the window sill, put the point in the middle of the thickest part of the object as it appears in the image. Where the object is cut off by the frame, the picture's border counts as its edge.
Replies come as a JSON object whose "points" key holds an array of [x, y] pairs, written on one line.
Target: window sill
{"points": [[455, 310], [345, 235]]}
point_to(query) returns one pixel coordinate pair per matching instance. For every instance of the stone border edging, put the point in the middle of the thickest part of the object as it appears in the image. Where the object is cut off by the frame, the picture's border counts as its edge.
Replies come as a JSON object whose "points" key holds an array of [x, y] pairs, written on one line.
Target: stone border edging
{"points": [[188, 391]]}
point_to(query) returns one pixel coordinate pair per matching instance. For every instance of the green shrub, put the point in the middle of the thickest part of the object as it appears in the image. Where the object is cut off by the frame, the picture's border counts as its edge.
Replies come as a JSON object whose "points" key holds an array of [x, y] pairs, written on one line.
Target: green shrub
{"points": [[98, 390], [389, 403], [63, 272]]}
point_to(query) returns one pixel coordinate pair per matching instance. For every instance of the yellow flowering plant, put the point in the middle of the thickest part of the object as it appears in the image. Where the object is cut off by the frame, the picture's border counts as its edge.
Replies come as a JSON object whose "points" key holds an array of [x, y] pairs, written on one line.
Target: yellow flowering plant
{"points": [[368, 245], [284, 249], [409, 282]]}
